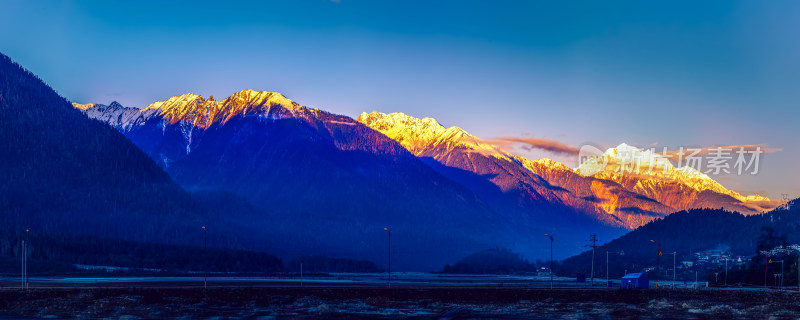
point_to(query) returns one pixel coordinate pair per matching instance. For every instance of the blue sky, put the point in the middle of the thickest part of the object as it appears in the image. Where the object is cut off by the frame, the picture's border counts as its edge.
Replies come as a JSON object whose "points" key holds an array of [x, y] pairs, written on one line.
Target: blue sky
{"points": [[670, 73]]}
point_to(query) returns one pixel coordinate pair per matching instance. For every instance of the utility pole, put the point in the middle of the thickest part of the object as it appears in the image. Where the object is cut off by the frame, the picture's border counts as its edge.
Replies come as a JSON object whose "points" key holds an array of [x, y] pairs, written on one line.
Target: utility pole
{"points": [[621, 252], [551, 260], [390, 255], [593, 239]]}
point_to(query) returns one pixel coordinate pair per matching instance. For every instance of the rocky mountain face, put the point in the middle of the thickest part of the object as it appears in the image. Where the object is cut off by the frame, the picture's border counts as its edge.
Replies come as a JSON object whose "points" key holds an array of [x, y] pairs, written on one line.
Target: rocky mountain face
{"points": [[327, 177], [680, 188], [626, 199], [528, 184]]}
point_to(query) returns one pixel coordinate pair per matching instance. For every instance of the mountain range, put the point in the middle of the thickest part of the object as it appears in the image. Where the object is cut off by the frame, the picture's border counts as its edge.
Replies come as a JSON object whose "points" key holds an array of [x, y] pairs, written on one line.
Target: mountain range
{"points": [[341, 180], [627, 200], [328, 184], [267, 174]]}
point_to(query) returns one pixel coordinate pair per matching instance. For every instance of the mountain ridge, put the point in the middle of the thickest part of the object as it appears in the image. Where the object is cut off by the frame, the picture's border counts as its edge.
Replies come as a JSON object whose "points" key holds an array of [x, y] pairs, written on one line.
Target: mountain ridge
{"points": [[516, 176], [342, 179], [589, 188], [647, 172], [207, 144]]}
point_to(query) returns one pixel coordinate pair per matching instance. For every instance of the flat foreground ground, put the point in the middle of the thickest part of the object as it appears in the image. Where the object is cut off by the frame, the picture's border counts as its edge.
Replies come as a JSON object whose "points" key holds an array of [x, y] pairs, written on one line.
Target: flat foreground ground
{"points": [[395, 303]]}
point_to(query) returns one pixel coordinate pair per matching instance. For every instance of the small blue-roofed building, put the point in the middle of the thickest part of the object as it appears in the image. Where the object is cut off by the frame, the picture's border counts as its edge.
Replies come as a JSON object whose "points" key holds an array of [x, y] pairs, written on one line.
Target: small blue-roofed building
{"points": [[635, 281]]}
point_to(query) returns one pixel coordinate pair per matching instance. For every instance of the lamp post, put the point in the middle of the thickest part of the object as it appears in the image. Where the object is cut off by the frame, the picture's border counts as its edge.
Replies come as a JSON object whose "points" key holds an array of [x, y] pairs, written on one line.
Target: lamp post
{"points": [[390, 255], [622, 253], [27, 268], [781, 275], [658, 259], [726, 272], [205, 259], [766, 265], [674, 267], [22, 272], [551, 259]]}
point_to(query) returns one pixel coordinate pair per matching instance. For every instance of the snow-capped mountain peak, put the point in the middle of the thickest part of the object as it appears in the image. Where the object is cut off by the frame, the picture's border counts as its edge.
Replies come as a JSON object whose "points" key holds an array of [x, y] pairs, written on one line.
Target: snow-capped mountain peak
{"points": [[626, 162], [419, 135], [617, 179], [201, 112]]}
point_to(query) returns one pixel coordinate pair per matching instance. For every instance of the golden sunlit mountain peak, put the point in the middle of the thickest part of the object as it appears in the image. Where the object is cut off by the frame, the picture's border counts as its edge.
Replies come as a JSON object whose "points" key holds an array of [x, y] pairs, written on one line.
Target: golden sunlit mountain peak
{"points": [[643, 171], [419, 135], [83, 106], [553, 164], [670, 188], [201, 112]]}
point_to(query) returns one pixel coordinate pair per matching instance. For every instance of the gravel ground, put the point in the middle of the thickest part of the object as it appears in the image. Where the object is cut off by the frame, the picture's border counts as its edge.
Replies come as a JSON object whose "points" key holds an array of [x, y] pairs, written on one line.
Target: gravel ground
{"points": [[395, 303]]}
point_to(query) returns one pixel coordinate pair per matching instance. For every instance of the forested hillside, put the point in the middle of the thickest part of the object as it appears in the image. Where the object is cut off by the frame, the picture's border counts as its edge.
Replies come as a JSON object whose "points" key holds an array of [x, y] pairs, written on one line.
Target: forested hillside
{"points": [[689, 232], [64, 172]]}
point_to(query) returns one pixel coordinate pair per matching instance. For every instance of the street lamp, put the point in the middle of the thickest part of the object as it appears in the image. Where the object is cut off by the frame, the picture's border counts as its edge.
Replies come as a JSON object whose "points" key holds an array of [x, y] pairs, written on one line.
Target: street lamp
{"points": [[622, 253], [22, 271], [726, 272], [674, 266], [766, 265], [551, 259], [781, 275], [658, 259], [27, 244], [390, 255], [205, 259]]}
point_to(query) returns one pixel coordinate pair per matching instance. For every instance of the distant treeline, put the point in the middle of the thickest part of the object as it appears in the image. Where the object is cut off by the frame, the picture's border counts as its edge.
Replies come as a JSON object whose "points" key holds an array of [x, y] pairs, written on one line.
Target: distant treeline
{"points": [[57, 253], [492, 261], [46, 250], [317, 263]]}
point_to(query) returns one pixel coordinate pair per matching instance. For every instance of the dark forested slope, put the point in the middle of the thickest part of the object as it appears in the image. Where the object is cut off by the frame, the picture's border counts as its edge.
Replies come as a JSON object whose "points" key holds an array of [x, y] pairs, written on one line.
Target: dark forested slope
{"points": [[63, 172], [688, 232]]}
